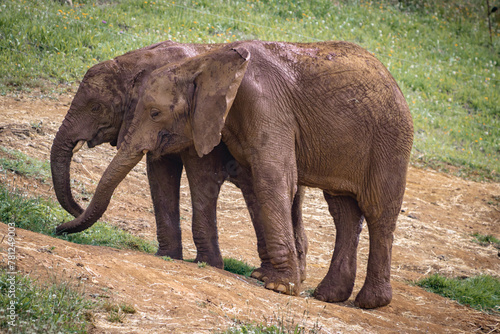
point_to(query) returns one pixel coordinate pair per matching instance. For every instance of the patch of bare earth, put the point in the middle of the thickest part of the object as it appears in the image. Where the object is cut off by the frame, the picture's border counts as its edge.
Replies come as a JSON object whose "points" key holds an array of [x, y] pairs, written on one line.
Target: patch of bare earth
{"points": [[440, 212]]}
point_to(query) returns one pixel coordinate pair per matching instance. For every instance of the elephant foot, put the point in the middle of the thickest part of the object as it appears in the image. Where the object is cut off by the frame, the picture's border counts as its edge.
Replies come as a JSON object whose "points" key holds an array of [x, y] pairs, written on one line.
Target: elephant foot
{"points": [[373, 296], [266, 270], [212, 260], [167, 252], [280, 281], [283, 284], [332, 293]]}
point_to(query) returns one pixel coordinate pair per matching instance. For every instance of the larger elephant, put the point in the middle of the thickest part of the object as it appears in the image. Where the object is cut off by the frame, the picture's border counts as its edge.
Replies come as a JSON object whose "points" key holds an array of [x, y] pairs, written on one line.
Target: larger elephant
{"points": [[326, 115], [102, 110]]}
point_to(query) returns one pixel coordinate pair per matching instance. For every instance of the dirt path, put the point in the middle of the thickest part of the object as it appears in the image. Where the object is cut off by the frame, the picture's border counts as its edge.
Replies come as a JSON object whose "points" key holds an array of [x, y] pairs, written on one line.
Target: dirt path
{"points": [[440, 212]]}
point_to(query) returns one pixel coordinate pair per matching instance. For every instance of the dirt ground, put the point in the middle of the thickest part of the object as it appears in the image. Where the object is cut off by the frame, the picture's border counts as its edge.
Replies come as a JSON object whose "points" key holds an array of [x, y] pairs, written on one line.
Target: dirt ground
{"points": [[439, 214]]}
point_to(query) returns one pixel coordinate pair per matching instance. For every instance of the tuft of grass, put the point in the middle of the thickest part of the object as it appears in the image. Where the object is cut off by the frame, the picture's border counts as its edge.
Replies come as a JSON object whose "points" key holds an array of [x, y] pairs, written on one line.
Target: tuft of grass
{"points": [[23, 164], [253, 328], [480, 292], [281, 322], [103, 234], [238, 267], [34, 214], [232, 265], [114, 314], [117, 313], [42, 216], [52, 308], [486, 240], [127, 308], [273, 329]]}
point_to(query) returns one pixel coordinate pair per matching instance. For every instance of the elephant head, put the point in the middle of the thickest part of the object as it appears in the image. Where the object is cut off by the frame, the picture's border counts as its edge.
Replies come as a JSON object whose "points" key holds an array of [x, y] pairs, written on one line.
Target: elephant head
{"points": [[181, 105], [94, 117], [104, 101]]}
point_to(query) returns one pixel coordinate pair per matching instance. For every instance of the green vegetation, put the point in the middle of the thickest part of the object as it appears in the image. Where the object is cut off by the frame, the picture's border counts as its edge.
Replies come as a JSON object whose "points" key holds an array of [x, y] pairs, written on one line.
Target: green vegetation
{"points": [[259, 329], [58, 307], [34, 214], [238, 267], [281, 322], [117, 313], [52, 308], [263, 329], [232, 265], [22, 164], [438, 51], [479, 292], [126, 308], [486, 240], [42, 216]]}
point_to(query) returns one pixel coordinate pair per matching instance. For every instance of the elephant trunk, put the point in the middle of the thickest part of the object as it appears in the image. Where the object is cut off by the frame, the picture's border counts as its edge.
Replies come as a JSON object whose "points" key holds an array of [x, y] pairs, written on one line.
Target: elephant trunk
{"points": [[119, 167], [60, 160]]}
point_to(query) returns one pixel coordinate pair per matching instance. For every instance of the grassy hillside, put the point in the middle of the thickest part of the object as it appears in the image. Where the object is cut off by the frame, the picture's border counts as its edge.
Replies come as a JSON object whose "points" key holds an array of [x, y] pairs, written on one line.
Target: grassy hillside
{"points": [[438, 51]]}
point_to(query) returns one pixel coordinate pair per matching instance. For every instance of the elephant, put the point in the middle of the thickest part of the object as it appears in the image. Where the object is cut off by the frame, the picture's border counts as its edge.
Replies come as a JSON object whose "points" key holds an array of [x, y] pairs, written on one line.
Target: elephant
{"points": [[102, 110], [327, 115]]}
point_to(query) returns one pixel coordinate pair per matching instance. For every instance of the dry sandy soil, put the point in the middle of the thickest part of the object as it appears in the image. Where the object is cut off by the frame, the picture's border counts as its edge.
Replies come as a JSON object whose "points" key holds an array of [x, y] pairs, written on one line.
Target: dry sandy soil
{"points": [[439, 214]]}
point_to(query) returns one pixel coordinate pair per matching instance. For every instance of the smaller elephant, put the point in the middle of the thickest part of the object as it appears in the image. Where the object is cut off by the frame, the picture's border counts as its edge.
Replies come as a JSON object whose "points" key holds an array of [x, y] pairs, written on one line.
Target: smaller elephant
{"points": [[101, 112], [327, 115]]}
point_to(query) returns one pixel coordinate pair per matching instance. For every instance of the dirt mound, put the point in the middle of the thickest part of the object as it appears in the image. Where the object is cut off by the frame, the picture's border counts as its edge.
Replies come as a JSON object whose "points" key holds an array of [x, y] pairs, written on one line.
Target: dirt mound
{"points": [[440, 212]]}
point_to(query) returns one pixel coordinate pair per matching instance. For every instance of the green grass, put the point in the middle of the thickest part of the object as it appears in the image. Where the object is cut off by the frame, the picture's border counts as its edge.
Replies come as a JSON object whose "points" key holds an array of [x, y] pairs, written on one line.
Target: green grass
{"points": [[49, 308], [43, 215], [261, 329], [282, 321], [232, 265], [273, 329], [438, 51], [486, 240], [22, 164], [479, 292], [238, 267], [117, 313]]}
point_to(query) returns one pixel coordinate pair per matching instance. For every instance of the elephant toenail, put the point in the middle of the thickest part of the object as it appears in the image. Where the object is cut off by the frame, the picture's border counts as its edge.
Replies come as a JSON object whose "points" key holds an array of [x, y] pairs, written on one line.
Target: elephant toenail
{"points": [[270, 286], [281, 288], [256, 274]]}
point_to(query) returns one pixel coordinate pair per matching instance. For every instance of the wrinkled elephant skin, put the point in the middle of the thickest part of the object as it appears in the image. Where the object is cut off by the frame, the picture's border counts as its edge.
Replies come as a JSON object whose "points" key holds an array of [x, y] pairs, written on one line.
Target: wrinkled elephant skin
{"points": [[326, 115], [101, 112]]}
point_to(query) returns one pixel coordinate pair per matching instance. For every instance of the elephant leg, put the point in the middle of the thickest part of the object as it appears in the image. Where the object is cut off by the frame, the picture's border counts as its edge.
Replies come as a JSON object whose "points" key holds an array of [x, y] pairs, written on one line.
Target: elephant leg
{"points": [[164, 175], [274, 194], [301, 244], [381, 206], [338, 283], [243, 180], [205, 176], [377, 290]]}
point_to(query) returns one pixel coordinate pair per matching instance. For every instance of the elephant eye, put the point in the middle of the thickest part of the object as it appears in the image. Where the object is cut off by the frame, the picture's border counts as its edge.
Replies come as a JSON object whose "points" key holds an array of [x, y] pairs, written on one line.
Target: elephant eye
{"points": [[96, 108], [154, 113]]}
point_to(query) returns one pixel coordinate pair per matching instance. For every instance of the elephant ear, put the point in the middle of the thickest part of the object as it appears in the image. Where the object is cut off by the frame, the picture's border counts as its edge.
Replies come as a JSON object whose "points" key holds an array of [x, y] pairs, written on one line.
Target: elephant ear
{"points": [[215, 89]]}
